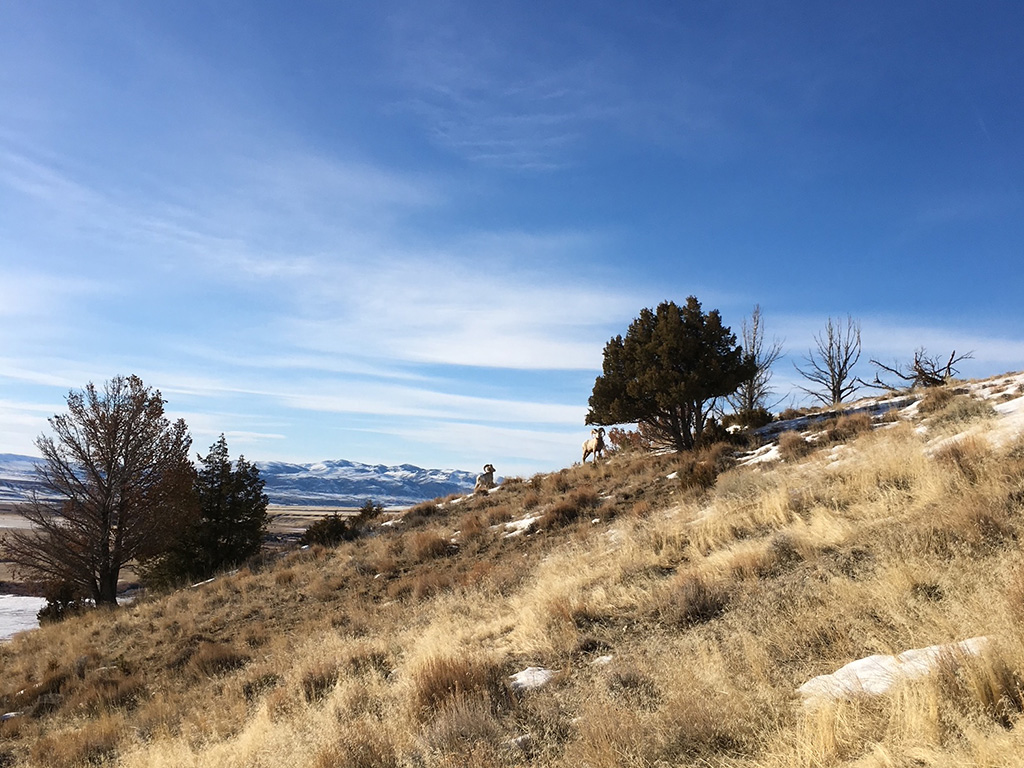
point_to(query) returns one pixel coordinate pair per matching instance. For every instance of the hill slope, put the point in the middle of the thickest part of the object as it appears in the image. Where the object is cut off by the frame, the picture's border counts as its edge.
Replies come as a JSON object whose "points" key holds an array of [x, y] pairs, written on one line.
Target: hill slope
{"points": [[650, 610]]}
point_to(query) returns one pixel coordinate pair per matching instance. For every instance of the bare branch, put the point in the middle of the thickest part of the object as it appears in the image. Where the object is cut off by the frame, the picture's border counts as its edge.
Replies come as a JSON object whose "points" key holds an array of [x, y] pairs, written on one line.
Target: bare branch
{"points": [[924, 371], [755, 393], [831, 364]]}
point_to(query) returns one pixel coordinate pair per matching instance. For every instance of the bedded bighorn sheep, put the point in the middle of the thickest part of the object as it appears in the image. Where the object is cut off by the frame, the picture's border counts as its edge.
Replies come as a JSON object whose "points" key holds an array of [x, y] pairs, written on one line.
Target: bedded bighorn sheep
{"points": [[485, 481], [595, 445]]}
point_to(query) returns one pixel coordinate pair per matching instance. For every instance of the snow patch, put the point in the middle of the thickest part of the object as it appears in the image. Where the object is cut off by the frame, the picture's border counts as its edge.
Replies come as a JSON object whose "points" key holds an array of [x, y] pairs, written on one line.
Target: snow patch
{"points": [[518, 527], [531, 678], [876, 675], [18, 613]]}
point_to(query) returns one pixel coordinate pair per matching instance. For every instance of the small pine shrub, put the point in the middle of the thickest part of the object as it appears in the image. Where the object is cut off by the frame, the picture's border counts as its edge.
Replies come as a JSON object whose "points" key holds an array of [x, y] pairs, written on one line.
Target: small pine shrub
{"points": [[329, 531], [63, 600]]}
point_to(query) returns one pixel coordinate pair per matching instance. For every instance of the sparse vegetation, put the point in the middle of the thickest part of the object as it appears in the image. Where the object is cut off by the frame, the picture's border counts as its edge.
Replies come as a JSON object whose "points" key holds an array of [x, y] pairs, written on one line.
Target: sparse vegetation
{"points": [[679, 600]]}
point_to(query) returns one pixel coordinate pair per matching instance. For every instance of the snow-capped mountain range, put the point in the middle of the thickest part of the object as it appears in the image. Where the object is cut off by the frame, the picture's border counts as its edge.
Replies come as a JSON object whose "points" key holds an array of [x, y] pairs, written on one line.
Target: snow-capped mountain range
{"points": [[325, 483]]}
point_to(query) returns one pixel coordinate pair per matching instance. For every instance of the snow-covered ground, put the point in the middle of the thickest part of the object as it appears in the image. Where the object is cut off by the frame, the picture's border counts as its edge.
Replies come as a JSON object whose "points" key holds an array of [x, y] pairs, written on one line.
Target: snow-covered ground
{"points": [[18, 613]]}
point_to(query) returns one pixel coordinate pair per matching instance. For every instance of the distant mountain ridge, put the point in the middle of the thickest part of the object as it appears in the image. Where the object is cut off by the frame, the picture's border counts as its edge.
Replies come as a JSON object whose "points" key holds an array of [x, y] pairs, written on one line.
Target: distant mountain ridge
{"points": [[324, 483]]}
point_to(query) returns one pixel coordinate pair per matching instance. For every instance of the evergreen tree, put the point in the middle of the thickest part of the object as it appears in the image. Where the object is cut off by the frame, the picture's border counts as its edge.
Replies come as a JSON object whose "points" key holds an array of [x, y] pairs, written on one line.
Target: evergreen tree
{"points": [[231, 525], [668, 372]]}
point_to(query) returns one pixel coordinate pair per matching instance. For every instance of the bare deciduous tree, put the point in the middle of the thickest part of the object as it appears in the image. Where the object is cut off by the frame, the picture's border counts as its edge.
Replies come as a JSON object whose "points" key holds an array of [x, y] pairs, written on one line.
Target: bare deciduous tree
{"points": [[924, 371], [121, 475], [754, 394], [831, 364]]}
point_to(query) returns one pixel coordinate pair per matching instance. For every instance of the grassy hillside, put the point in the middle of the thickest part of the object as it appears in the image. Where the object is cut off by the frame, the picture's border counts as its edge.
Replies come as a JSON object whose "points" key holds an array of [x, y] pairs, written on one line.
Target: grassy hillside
{"points": [[678, 600]]}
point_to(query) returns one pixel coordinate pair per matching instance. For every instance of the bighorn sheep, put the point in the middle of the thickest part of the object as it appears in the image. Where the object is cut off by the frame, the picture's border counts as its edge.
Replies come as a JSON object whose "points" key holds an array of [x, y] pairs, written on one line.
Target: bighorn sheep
{"points": [[485, 481], [595, 445]]}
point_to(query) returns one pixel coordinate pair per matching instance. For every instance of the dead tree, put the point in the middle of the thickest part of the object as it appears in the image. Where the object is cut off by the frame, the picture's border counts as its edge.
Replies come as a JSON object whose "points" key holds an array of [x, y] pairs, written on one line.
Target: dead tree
{"points": [[924, 371], [831, 365], [754, 394], [121, 485]]}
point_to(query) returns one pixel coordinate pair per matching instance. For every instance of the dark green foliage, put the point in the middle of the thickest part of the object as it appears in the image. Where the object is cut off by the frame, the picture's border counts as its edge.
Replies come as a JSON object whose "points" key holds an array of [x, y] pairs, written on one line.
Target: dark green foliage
{"points": [[751, 418], [329, 531], [668, 372], [63, 600], [231, 524], [333, 529]]}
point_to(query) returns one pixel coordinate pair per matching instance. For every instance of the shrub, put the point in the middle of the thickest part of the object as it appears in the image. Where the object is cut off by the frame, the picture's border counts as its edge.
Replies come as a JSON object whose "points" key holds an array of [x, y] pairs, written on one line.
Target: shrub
{"points": [[966, 457], [752, 418], [691, 599], [104, 692], [63, 600], [427, 545], [253, 689], [421, 512], [627, 441], [935, 399], [635, 689], [443, 679], [94, 743], [962, 409], [793, 413], [577, 505], [329, 531], [700, 469], [464, 725], [792, 446], [473, 526], [318, 681], [364, 747], [424, 585], [213, 659], [848, 427]]}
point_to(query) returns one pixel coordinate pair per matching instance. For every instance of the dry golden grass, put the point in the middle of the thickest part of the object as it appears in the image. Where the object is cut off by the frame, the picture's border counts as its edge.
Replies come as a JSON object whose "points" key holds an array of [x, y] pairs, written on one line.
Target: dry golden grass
{"points": [[680, 603]]}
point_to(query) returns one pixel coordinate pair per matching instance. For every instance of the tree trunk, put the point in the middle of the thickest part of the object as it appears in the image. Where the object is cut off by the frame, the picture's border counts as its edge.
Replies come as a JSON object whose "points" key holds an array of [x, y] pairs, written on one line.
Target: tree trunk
{"points": [[107, 594]]}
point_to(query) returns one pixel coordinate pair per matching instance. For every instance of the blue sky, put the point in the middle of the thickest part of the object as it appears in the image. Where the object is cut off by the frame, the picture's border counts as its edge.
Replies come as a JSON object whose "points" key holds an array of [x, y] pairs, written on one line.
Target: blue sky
{"points": [[402, 232]]}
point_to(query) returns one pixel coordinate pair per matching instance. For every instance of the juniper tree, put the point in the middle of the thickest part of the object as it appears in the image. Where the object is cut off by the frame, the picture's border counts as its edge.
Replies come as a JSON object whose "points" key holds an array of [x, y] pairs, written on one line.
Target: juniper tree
{"points": [[668, 372], [230, 526]]}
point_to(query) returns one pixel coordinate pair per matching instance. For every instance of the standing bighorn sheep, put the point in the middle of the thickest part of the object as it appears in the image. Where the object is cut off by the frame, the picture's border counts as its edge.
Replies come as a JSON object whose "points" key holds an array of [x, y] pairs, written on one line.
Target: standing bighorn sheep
{"points": [[595, 445], [485, 481]]}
